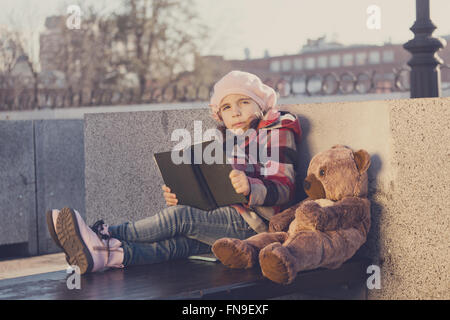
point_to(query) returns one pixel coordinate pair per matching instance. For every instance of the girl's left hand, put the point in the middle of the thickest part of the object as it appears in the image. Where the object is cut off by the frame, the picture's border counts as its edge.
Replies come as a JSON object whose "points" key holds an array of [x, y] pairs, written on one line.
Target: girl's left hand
{"points": [[239, 181]]}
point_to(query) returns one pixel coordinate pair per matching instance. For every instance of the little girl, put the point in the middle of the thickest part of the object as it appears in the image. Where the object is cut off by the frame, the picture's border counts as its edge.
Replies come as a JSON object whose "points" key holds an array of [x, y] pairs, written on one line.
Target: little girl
{"points": [[240, 102]]}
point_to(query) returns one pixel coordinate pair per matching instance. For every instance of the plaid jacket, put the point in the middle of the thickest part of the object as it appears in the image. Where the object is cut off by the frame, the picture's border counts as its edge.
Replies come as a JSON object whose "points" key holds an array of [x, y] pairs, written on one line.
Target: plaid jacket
{"points": [[270, 172]]}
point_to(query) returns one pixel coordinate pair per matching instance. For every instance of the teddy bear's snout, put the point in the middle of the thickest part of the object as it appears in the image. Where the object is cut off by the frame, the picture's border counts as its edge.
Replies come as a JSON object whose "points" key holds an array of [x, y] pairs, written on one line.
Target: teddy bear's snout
{"points": [[306, 185], [313, 187]]}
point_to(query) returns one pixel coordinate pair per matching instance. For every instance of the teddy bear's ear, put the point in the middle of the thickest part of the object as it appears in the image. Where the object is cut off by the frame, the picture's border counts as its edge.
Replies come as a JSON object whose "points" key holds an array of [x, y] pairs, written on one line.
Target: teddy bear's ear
{"points": [[362, 159]]}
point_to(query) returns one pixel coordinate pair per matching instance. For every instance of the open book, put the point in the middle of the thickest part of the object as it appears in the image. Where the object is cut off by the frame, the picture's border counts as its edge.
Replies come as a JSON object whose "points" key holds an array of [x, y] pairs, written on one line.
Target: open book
{"points": [[196, 181]]}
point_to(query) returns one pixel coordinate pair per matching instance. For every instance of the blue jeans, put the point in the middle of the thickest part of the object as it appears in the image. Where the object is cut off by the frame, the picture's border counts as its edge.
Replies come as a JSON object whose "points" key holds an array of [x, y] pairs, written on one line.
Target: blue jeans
{"points": [[178, 232]]}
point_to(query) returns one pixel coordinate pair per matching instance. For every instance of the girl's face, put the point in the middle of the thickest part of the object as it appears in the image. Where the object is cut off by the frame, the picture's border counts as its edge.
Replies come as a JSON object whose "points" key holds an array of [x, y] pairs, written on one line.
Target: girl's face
{"points": [[237, 111]]}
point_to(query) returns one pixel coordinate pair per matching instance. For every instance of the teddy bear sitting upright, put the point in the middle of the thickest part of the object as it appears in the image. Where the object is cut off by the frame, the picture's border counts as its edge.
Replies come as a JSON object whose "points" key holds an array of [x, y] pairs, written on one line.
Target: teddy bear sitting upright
{"points": [[324, 230]]}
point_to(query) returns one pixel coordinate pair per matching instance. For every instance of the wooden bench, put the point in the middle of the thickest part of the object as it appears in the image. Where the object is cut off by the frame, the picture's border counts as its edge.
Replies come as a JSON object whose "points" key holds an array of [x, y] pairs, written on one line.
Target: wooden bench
{"points": [[179, 279]]}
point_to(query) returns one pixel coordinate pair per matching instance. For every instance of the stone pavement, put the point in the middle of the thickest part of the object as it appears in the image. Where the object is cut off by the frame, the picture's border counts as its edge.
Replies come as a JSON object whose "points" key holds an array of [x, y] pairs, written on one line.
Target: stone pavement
{"points": [[21, 267]]}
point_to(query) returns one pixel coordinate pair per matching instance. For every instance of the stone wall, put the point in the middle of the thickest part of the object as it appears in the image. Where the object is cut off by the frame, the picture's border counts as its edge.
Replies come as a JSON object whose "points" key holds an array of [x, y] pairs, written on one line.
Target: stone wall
{"points": [[41, 167], [17, 183], [122, 180]]}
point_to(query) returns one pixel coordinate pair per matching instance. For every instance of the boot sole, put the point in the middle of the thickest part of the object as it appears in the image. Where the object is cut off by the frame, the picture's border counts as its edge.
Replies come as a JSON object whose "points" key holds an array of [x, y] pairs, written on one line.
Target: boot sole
{"points": [[51, 229], [69, 236], [52, 232]]}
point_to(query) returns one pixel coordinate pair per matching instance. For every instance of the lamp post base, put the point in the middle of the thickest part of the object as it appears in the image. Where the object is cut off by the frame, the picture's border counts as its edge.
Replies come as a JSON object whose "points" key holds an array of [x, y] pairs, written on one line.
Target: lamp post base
{"points": [[425, 70]]}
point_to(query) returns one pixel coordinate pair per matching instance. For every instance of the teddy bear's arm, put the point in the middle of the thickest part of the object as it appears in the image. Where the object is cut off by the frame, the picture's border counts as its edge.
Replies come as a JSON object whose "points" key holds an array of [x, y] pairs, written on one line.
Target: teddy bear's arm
{"points": [[347, 213], [282, 220]]}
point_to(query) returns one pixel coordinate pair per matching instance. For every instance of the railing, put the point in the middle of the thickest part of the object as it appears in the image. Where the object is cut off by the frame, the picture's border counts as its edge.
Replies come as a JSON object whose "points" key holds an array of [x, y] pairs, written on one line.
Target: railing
{"points": [[345, 83], [309, 85], [65, 98], [445, 68]]}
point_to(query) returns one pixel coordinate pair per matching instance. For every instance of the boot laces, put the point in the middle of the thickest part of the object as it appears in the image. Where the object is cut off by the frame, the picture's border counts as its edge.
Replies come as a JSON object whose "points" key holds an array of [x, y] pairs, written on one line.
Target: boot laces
{"points": [[100, 228]]}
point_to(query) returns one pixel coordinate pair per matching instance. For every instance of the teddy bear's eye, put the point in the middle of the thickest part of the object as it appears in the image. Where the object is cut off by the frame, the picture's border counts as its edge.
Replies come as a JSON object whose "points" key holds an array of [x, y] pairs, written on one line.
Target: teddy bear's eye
{"points": [[322, 172]]}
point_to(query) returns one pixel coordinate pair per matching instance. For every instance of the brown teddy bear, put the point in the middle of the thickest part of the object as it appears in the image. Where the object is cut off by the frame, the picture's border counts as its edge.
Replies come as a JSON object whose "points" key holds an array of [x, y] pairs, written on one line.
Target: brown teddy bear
{"points": [[324, 230]]}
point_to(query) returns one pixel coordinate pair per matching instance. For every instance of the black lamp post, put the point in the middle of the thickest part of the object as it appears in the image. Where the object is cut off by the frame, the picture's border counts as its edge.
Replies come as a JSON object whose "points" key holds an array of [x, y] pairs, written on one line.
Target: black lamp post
{"points": [[425, 71]]}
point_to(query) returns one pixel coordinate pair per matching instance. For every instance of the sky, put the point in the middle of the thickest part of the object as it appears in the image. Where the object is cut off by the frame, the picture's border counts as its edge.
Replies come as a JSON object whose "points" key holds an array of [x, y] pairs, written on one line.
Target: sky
{"points": [[279, 26]]}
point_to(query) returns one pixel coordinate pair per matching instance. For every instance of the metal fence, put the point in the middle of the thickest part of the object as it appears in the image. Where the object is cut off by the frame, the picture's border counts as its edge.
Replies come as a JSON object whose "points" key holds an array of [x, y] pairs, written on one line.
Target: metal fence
{"points": [[344, 83], [312, 84]]}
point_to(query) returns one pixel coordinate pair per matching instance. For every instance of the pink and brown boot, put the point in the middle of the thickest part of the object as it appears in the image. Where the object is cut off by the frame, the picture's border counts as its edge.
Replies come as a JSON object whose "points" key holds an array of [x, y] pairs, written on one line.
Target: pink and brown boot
{"points": [[90, 251]]}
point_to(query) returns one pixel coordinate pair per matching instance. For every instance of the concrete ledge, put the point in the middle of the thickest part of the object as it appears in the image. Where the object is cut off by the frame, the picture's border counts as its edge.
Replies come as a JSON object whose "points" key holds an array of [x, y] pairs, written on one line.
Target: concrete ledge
{"points": [[122, 180], [17, 184], [59, 172], [409, 178], [42, 167]]}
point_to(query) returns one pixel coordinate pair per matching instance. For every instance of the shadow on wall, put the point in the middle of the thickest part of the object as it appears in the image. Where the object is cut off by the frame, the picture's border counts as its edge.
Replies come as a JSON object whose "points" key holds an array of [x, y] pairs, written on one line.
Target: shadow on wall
{"points": [[371, 249], [304, 157]]}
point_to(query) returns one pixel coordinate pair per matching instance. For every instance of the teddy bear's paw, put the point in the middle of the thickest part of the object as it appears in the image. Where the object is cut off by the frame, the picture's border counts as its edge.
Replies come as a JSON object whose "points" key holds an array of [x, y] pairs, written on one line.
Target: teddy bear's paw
{"points": [[235, 253], [310, 216], [276, 264]]}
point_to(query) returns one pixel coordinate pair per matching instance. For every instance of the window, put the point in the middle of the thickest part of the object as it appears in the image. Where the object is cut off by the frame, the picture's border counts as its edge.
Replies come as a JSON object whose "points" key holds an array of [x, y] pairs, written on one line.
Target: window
{"points": [[335, 60], [388, 56], [361, 58], [322, 61], [286, 65], [374, 57], [347, 59], [275, 65], [298, 64], [310, 63]]}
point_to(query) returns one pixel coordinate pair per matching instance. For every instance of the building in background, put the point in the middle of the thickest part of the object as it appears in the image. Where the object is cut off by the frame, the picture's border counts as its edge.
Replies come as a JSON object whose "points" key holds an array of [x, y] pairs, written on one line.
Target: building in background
{"points": [[323, 67], [321, 71]]}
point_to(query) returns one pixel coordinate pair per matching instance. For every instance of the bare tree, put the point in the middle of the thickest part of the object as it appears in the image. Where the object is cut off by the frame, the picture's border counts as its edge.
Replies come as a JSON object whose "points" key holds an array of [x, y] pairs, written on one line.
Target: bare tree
{"points": [[22, 39], [160, 37], [144, 42], [84, 54], [148, 40], [9, 50], [14, 49]]}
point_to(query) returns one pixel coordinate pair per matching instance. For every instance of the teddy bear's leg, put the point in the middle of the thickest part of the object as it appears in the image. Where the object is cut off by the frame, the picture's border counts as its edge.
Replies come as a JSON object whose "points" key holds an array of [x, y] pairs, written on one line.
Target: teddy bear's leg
{"points": [[308, 250], [341, 246], [243, 254], [281, 263]]}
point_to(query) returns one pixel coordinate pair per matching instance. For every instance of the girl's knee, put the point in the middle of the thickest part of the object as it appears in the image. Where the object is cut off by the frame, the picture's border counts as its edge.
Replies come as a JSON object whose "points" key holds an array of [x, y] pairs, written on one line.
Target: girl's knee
{"points": [[178, 212], [176, 209]]}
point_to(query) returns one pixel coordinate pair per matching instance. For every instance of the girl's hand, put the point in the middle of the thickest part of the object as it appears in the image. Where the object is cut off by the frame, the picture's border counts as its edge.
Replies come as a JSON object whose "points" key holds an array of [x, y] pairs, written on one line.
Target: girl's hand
{"points": [[171, 198], [239, 181]]}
